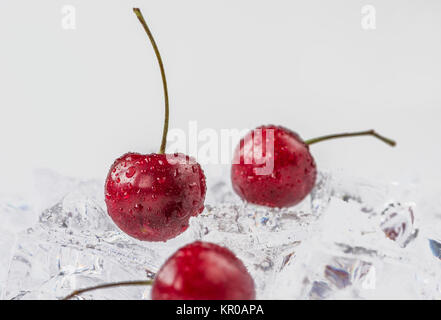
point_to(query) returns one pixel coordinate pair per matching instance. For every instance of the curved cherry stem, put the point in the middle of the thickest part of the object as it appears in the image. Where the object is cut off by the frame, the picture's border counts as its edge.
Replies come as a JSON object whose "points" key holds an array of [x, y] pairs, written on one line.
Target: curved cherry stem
{"points": [[141, 19], [109, 285], [388, 141]]}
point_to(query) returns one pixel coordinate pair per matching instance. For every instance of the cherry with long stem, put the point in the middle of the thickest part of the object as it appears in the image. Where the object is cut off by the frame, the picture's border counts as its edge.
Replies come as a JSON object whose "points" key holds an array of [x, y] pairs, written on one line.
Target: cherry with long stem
{"points": [[109, 285], [372, 133], [141, 19]]}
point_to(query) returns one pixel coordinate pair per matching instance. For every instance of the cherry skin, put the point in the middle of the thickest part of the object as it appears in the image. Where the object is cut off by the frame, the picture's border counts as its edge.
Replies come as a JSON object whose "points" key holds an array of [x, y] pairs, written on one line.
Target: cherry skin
{"points": [[152, 197], [292, 177], [203, 271]]}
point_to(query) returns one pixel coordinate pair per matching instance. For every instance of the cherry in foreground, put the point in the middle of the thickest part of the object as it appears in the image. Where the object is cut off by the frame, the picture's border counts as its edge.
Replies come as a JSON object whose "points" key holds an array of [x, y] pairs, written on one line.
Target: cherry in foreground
{"points": [[198, 271], [203, 271], [272, 165], [152, 197]]}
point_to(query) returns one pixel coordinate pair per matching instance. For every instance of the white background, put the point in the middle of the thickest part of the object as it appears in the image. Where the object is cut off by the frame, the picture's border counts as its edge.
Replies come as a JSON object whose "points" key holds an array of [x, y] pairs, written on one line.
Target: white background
{"points": [[74, 100]]}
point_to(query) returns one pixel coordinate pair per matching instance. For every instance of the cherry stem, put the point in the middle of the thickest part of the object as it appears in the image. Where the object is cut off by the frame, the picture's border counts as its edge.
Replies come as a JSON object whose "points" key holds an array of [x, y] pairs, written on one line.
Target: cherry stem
{"points": [[109, 285], [141, 19], [390, 142]]}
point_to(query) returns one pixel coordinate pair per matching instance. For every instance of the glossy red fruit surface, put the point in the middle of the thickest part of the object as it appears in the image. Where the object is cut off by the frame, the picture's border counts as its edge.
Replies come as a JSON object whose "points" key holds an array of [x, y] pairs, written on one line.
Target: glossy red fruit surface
{"points": [[203, 271], [293, 173], [151, 198]]}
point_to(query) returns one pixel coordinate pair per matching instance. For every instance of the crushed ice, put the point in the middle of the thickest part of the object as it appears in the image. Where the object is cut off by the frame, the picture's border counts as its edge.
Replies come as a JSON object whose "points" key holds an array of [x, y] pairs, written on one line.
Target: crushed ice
{"points": [[351, 238]]}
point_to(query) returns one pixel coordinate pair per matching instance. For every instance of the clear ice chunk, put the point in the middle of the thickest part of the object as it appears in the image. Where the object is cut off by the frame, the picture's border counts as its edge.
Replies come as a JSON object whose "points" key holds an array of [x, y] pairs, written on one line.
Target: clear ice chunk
{"points": [[350, 239]]}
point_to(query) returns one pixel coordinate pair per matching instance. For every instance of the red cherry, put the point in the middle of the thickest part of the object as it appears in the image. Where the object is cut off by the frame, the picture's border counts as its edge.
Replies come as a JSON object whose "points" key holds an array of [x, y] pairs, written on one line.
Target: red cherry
{"points": [[151, 198], [290, 168], [292, 177], [203, 271]]}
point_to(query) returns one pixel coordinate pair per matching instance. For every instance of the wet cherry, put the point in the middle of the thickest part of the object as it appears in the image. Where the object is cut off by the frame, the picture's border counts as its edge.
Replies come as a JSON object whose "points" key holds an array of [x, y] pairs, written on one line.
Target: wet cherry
{"points": [[203, 271], [272, 165], [152, 197], [198, 271], [287, 173]]}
